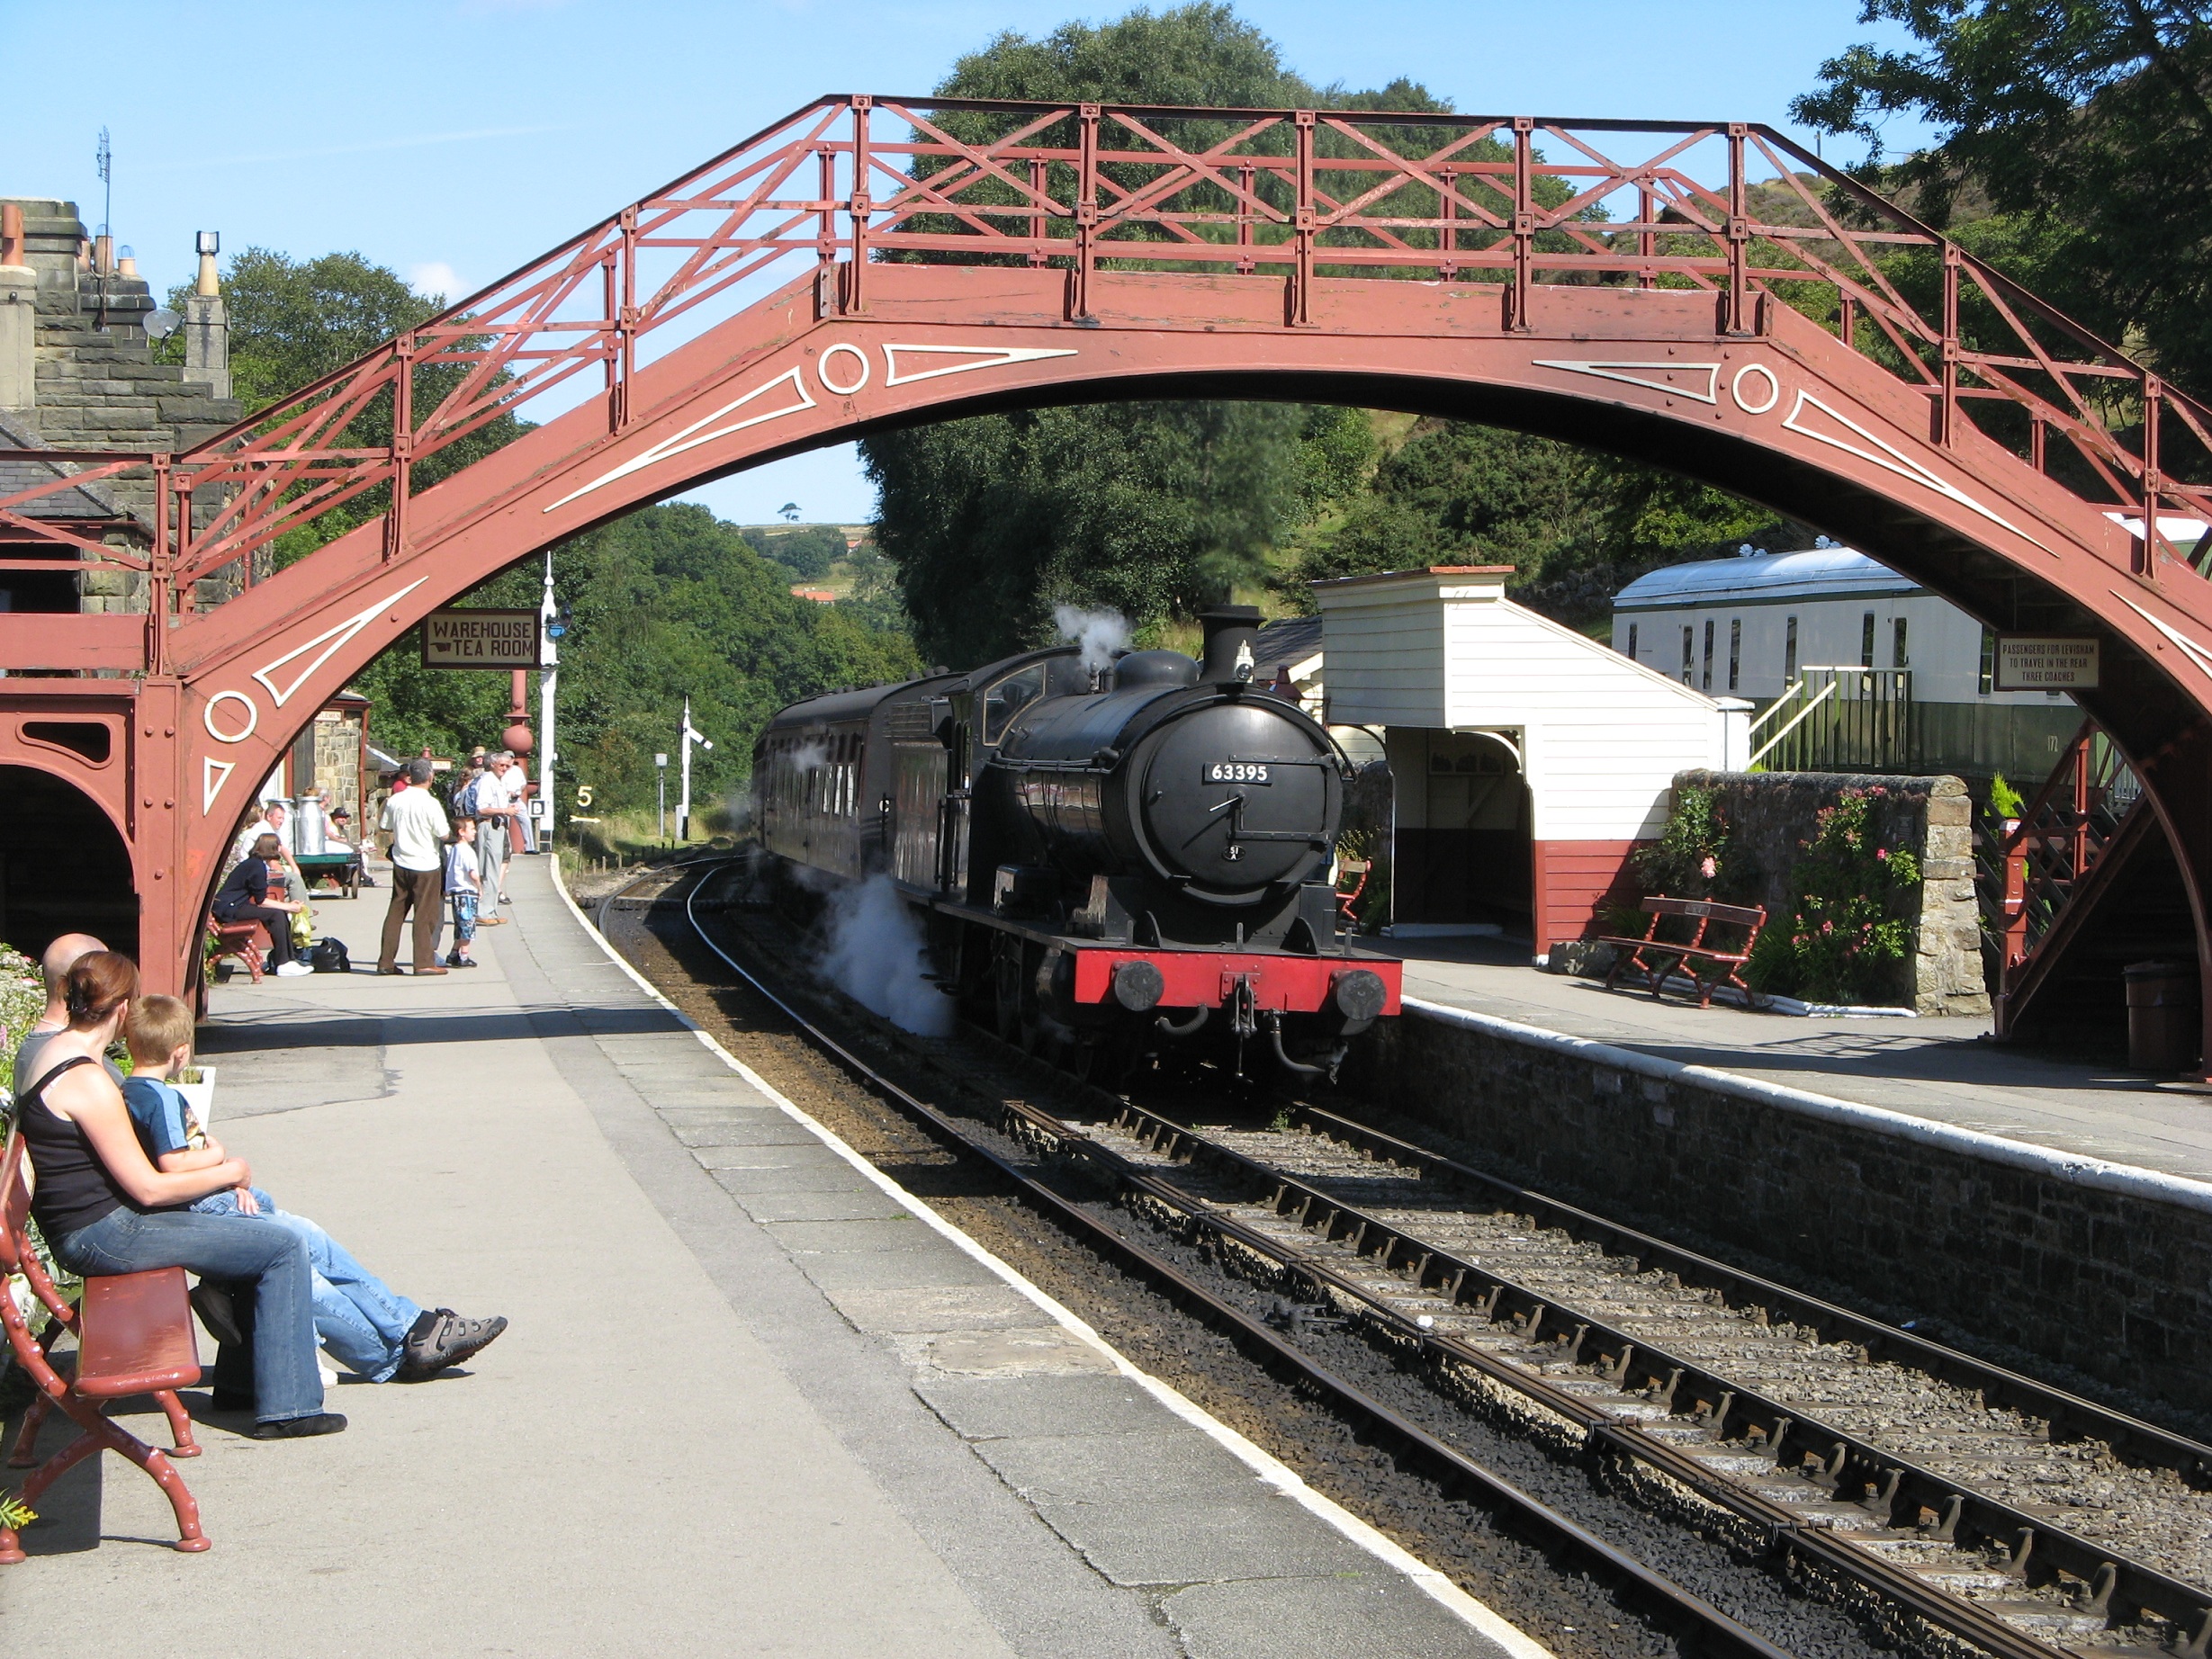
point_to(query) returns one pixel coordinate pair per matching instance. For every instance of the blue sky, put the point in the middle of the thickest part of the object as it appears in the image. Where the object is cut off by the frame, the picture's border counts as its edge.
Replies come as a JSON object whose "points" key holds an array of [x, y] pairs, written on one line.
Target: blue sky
{"points": [[456, 141]]}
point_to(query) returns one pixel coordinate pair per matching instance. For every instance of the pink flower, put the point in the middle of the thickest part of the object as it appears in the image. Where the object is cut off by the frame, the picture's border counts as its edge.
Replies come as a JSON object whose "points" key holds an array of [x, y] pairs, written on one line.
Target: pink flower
{"points": [[1709, 869], [1828, 927], [1882, 853]]}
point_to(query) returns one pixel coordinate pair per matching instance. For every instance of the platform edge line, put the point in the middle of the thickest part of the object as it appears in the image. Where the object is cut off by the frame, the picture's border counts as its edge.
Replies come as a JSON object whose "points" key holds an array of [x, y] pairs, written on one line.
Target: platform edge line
{"points": [[1271, 1470]]}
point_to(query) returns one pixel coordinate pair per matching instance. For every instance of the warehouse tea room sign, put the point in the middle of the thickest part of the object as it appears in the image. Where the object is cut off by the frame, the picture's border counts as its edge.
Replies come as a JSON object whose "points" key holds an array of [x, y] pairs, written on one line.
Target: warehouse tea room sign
{"points": [[479, 640], [2046, 662]]}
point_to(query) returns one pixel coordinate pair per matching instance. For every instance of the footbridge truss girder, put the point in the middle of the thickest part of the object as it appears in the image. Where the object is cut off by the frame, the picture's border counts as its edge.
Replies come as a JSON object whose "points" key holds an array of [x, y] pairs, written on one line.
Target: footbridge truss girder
{"points": [[943, 260]]}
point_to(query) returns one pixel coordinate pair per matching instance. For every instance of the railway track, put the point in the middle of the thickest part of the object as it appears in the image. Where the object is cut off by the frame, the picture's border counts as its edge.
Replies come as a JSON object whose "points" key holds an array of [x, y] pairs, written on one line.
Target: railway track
{"points": [[1684, 1378]]}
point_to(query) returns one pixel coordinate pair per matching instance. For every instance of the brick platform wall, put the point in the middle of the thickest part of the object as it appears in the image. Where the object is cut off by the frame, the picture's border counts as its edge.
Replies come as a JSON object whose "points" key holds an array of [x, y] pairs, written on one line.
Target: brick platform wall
{"points": [[2096, 1267]]}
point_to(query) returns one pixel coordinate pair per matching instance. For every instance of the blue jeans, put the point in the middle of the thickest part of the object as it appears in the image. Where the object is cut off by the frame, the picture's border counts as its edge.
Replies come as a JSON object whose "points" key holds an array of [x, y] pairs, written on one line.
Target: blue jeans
{"points": [[357, 1316], [244, 1250]]}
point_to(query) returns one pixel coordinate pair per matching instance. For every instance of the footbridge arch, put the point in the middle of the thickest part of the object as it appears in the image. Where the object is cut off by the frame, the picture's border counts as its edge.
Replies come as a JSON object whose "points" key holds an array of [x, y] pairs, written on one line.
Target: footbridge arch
{"points": [[1705, 297]]}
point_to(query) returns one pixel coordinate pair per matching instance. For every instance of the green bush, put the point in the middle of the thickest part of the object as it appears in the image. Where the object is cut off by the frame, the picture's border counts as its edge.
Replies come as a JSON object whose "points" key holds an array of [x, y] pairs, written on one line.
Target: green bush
{"points": [[1691, 859], [1846, 939]]}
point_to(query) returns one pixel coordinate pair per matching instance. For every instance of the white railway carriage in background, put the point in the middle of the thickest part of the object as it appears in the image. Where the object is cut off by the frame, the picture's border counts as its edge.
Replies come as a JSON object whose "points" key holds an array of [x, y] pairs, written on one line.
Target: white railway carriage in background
{"points": [[1752, 627]]}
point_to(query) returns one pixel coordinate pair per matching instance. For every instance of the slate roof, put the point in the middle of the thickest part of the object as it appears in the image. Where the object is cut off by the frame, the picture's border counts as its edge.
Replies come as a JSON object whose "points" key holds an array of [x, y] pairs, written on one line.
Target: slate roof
{"points": [[1292, 641]]}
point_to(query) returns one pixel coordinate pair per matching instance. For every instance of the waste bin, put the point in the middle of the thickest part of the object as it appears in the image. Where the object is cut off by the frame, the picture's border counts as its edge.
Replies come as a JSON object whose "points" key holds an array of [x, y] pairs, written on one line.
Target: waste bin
{"points": [[2165, 1016]]}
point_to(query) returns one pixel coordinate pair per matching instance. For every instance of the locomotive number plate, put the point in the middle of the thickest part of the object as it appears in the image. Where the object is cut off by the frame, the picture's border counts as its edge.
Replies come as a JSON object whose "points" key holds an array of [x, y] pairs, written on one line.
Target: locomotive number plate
{"points": [[1234, 772]]}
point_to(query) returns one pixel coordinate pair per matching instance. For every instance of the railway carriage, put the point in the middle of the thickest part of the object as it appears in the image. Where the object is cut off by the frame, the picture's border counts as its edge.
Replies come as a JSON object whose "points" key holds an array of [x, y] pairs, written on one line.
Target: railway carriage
{"points": [[1118, 859]]}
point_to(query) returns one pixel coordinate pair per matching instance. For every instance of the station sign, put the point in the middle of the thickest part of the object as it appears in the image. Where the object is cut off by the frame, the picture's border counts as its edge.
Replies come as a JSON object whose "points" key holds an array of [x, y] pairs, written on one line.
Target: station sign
{"points": [[458, 639], [2046, 662]]}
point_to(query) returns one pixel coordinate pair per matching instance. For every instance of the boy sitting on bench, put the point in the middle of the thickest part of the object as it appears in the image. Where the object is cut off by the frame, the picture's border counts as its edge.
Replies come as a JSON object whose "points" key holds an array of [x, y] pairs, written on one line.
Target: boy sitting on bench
{"points": [[365, 1327]]}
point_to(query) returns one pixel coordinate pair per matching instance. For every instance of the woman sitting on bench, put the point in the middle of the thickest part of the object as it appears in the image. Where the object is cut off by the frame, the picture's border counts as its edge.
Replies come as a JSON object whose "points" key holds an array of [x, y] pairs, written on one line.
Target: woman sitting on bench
{"points": [[104, 1209], [242, 899]]}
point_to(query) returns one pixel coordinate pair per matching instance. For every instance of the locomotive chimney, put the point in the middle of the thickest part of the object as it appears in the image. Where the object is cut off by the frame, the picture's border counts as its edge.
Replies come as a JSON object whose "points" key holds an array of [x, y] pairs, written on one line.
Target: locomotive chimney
{"points": [[1230, 632]]}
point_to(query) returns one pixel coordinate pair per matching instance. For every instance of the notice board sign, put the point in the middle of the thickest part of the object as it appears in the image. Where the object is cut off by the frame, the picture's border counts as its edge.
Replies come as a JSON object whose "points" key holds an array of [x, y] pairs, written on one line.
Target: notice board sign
{"points": [[455, 638], [2046, 662]]}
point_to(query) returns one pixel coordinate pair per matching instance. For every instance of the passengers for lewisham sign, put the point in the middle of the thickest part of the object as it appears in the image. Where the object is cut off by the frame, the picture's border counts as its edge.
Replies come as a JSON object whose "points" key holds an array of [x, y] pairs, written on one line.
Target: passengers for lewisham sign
{"points": [[479, 640], [2046, 662]]}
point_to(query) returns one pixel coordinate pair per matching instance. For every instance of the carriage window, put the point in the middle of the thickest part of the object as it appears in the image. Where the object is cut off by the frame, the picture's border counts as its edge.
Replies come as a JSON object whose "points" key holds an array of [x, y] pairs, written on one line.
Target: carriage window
{"points": [[1008, 698]]}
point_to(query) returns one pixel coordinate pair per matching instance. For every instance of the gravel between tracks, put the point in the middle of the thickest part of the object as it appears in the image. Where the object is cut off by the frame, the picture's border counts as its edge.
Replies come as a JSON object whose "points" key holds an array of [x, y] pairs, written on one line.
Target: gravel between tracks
{"points": [[2151, 1514]]}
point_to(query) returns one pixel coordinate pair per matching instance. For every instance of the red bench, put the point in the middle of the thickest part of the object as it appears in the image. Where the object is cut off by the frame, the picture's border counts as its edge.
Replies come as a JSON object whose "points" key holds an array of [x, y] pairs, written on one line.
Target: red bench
{"points": [[248, 941], [133, 1337], [1666, 956]]}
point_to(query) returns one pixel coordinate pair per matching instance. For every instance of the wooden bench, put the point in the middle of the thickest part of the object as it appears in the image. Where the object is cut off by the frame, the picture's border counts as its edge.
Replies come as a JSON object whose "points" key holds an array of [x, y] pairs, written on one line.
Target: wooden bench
{"points": [[1654, 958], [133, 1337], [248, 941]]}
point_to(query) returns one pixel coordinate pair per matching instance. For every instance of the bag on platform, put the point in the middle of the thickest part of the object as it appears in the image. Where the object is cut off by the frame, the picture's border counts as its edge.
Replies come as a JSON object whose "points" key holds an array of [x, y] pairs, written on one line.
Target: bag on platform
{"points": [[329, 956]]}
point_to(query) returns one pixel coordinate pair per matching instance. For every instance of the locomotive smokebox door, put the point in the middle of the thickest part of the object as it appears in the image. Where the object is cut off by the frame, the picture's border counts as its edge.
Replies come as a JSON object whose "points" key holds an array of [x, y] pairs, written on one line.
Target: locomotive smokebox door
{"points": [[1232, 805]]}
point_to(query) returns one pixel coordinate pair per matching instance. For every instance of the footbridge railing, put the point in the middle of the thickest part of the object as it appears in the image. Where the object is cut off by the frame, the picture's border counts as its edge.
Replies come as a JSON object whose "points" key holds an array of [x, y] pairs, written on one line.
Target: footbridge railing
{"points": [[849, 184]]}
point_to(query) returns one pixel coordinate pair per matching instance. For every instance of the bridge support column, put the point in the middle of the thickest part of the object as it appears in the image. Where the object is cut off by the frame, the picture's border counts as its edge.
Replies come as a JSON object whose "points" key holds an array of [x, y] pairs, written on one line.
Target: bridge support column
{"points": [[2178, 774], [169, 890]]}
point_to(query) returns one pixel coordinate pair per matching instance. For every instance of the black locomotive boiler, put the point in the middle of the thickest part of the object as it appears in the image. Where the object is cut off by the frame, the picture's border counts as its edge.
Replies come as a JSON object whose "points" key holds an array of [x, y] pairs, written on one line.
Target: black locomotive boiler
{"points": [[1117, 858]]}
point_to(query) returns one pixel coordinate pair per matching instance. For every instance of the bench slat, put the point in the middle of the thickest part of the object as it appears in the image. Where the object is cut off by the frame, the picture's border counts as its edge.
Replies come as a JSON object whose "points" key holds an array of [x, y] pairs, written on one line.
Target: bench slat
{"points": [[135, 1335]]}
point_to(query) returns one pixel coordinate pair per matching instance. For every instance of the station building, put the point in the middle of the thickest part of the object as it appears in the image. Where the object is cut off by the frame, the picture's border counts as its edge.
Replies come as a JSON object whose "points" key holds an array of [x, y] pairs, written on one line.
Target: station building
{"points": [[1528, 760]]}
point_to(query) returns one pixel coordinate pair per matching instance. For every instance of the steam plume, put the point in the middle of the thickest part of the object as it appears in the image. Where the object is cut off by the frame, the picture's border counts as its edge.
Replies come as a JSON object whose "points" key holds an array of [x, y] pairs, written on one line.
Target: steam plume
{"points": [[877, 957], [1100, 634]]}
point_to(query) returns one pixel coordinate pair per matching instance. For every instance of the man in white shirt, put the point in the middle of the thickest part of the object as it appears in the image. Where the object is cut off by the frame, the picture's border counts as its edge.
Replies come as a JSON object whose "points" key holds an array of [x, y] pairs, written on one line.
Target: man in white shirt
{"points": [[497, 795], [274, 821], [417, 825]]}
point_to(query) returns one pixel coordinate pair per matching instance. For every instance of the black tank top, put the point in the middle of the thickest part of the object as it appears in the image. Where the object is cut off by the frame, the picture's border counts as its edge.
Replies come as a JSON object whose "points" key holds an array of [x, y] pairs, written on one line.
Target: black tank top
{"points": [[74, 1188]]}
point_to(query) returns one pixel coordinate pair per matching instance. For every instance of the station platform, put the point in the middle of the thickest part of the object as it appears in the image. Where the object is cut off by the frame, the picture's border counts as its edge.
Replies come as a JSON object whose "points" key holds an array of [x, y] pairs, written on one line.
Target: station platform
{"points": [[753, 1399], [1942, 1071]]}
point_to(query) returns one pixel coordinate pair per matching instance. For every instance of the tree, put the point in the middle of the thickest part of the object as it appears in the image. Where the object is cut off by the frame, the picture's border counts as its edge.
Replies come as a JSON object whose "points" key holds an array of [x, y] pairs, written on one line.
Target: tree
{"points": [[1150, 508], [1574, 527], [2087, 123], [807, 551], [667, 603]]}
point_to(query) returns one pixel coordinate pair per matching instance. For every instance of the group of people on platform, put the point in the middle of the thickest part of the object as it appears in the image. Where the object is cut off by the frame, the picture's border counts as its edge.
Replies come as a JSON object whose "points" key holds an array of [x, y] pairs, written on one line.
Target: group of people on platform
{"points": [[459, 860], [128, 1178], [448, 854]]}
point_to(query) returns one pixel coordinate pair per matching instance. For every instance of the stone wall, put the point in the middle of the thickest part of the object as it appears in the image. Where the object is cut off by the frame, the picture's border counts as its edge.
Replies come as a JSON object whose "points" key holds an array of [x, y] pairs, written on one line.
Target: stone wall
{"points": [[1770, 814], [97, 385], [2095, 1267]]}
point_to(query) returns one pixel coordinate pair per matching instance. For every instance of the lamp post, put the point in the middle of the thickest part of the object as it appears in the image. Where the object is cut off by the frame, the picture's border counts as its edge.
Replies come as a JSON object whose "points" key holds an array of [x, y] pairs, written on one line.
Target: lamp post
{"points": [[551, 626], [685, 740], [661, 793]]}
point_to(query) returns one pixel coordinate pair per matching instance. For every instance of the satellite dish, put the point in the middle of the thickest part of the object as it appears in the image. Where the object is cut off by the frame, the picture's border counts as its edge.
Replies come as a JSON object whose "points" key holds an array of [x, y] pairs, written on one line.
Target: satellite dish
{"points": [[161, 324]]}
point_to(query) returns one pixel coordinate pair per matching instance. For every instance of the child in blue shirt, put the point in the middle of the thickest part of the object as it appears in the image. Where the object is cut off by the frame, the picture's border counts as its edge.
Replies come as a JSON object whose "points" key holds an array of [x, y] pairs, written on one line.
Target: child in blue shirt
{"points": [[366, 1327]]}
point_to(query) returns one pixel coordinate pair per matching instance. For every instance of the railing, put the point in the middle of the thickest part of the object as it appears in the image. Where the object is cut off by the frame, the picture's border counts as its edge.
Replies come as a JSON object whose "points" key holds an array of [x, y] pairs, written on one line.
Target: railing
{"points": [[847, 182], [1841, 720], [2059, 838]]}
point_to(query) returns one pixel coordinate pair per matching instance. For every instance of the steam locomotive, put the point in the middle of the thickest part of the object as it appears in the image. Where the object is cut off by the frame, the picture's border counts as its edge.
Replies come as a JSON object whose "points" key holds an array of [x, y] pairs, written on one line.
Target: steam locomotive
{"points": [[1116, 859]]}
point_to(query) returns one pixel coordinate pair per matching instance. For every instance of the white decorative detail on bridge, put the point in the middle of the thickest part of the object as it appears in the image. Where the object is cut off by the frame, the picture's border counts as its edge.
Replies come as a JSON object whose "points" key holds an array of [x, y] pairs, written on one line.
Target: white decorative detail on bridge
{"points": [[985, 357], [213, 774], [2195, 652], [692, 437], [1890, 459], [336, 638], [1637, 373]]}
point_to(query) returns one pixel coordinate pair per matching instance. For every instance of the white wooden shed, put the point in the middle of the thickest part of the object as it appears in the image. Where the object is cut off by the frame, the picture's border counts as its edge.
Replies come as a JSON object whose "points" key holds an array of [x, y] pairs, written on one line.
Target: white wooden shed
{"points": [[1528, 760]]}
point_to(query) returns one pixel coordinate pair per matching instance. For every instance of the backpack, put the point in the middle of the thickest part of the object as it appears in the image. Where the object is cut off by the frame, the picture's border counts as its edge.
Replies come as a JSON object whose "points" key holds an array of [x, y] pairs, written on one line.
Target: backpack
{"points": [[329, 956]]}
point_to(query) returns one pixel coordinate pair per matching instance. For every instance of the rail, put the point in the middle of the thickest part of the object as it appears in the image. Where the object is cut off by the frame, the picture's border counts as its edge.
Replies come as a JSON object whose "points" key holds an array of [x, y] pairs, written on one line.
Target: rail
{"points": [[1733, 209], [2117, 1589]]}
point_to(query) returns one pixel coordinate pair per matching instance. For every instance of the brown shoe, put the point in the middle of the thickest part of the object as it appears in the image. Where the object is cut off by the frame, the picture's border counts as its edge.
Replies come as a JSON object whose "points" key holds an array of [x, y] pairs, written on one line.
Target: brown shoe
{"points": [[392, 971], [419, 971]]}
